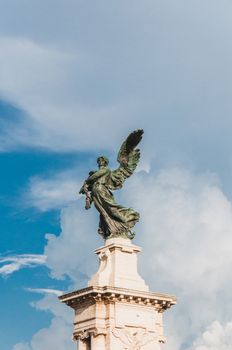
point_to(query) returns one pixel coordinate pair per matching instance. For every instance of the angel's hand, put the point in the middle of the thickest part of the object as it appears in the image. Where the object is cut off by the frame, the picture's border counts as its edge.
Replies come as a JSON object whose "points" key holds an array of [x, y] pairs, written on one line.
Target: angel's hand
{"points": [[88, 203], [84, 189]]}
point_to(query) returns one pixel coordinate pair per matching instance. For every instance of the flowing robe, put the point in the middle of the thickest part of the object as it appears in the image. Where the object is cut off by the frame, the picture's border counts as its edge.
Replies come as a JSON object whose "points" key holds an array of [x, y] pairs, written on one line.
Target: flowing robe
{"points": [[115, 220]]}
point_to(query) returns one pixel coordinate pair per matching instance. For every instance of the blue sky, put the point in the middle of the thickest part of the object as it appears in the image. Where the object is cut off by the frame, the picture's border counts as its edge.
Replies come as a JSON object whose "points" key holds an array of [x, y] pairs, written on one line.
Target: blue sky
{"points": [[75, 78]]}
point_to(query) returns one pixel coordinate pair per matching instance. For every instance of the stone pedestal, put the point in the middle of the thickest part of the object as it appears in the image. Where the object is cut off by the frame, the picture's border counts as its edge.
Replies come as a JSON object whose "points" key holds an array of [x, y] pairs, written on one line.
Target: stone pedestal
{"points": [[117, 311], [118, 266]]}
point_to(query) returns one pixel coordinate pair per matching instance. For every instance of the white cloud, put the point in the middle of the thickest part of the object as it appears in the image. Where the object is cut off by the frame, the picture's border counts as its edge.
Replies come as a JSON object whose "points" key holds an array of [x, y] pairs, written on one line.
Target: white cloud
{"points": [[185, 232], [45, 291], [51, 303], [59, 334], [191, 219], [69, 254], [28, 68], [21, 346], [216, 337], [11, 264], [52, 192]]}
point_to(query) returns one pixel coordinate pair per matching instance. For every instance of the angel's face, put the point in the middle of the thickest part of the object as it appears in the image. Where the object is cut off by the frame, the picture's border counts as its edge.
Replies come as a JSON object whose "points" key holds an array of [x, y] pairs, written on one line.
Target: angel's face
{"points": [[101, 162]]}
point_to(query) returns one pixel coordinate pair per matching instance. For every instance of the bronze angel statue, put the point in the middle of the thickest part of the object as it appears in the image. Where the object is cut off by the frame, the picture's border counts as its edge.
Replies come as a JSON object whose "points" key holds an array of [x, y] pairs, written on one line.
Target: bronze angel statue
{"points": [[115, 220]]}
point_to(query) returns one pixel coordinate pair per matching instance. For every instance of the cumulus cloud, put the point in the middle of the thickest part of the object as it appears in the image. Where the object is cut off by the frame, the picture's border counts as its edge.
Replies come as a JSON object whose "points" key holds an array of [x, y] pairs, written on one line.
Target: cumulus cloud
{"points": [[59, 334], [11, 264], [191, 214], [51, 304], [69, 253], [186, 233], [217, 336]]}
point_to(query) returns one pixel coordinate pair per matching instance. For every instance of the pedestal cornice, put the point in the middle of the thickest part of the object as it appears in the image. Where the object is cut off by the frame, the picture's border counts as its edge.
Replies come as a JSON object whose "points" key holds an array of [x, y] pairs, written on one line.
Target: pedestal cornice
{"points": [[161, 302]]}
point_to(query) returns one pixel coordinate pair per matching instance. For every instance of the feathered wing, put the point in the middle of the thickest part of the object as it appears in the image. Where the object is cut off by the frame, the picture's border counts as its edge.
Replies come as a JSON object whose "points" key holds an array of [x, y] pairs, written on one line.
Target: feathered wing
{"points": [[128, 158]]}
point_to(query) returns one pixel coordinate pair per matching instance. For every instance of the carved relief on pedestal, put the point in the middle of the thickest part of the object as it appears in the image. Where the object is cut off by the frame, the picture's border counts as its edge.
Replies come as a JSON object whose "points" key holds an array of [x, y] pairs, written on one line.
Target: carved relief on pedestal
{"points": [[134, 339]]}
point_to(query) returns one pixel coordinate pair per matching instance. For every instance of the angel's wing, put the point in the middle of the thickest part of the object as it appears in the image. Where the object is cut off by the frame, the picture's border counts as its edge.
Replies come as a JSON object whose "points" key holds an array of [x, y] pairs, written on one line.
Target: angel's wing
{"points": [[127, 154], [128, 158]]}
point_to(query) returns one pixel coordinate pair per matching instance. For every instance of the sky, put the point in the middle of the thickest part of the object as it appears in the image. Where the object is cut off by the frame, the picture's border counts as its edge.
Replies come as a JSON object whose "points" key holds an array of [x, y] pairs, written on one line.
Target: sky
{"points": [[76, 77]]}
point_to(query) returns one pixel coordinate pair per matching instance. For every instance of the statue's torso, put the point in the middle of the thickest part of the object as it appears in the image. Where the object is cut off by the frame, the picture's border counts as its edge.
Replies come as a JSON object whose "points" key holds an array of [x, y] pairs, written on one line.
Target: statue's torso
{"points": [[102, 180]]}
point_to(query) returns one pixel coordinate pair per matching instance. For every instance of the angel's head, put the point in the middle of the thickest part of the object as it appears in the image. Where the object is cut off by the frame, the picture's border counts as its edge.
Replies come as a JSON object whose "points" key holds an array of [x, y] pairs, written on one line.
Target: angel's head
{"points": [[102, 161]]}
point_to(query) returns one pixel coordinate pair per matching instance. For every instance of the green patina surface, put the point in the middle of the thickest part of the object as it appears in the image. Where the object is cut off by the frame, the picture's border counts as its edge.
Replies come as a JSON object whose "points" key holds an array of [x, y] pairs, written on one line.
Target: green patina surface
{"points": [[115, 220]]}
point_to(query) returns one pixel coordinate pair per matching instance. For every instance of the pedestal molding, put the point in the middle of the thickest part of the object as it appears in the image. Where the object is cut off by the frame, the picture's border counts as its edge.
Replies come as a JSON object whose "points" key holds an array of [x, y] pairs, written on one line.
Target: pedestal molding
{"points": [[113, 294]]}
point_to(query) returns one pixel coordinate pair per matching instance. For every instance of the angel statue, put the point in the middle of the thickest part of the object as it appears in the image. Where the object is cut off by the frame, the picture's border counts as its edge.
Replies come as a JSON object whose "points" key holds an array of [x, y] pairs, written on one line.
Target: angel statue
{"points": [[115, 220]]}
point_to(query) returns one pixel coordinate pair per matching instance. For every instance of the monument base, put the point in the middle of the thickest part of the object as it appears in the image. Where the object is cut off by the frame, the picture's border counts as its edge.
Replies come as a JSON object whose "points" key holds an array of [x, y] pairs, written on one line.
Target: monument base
{"points": [[116, 311], [118, 265]]}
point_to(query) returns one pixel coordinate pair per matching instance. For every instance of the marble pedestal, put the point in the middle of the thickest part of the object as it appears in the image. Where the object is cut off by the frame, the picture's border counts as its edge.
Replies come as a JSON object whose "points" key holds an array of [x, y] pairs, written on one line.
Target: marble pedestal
{"points": [[117, 311]]}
